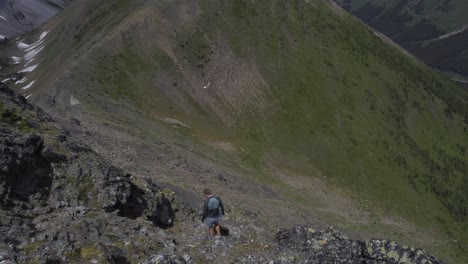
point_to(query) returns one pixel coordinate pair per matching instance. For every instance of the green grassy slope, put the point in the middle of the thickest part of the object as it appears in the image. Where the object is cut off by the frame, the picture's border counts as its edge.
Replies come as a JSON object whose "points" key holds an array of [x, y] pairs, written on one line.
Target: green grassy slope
{"points": [[299, 85]]}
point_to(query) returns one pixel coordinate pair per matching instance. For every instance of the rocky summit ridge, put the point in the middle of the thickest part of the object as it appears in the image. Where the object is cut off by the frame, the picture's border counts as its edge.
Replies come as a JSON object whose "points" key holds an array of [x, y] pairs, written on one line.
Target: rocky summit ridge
{"points": [[63, 203]]}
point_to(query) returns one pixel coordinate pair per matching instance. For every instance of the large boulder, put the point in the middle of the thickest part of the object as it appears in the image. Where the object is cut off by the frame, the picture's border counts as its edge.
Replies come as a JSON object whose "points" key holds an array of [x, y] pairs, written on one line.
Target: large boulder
{"points": [[24, 172]]}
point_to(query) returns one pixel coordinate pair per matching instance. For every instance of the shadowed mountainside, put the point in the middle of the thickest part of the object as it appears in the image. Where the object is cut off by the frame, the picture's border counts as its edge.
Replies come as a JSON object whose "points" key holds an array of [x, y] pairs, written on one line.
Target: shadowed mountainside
{"points": [[19, 16], [434, 31]]}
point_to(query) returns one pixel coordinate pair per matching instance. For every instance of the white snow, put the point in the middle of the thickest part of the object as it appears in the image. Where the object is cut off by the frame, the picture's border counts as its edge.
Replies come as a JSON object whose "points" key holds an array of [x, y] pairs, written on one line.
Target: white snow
{"points": [[31, 51], [450, 34], [207, 85], [28, 96], [30, 68], [22, 45], [16, 60], [2, 17], [28, 86], [38, 42], [33, 46], [459, 80], [73, 100], [2, 37], [172, 121], [6, 80], [31, 54], [22, 80], [43, 35]]}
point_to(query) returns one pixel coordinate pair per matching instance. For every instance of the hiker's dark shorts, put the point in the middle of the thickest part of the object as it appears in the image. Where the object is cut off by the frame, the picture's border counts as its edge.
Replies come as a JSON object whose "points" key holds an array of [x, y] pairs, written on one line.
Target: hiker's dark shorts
{"points": [[211, 222]]}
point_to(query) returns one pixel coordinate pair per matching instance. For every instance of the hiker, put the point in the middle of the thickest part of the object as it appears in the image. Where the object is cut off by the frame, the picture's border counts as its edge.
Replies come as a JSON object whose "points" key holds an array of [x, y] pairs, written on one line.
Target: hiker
{"points": [[213, 211]]}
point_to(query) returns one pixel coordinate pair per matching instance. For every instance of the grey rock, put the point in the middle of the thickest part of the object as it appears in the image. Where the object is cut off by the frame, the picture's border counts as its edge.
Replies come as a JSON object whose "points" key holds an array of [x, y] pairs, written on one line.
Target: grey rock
{"points": [[24, 170], [165, 259], [331, 246]]}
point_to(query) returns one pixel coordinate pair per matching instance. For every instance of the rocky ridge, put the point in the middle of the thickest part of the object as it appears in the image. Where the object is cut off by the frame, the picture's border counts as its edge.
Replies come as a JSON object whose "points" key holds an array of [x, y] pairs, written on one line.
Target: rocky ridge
{"points": [[304, 245], [63, 203], [61, 197]]}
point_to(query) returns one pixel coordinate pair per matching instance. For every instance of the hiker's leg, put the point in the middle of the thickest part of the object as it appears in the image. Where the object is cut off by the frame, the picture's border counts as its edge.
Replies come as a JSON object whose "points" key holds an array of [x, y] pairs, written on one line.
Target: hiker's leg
{"points": [[218, 230], [212, 231]]}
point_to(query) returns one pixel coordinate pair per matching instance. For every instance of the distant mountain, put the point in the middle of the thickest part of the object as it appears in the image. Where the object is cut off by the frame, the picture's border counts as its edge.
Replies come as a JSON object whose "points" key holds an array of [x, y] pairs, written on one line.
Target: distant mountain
{"points": [[18, 16], [433, 30]]}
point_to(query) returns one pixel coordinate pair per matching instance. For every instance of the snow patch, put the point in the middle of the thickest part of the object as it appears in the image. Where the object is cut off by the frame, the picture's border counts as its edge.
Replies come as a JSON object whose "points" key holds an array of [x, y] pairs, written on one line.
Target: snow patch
{"points": [[73, 100], [31, 54], [28, 96], [31, 50], [28, 86], [30, 68], [16, 60], [2, 37], [22, 45], [43, 35], [172, 121], [33, 46], [2, 17], [6, 80], [207, 85], [22, 80], [38, 42], [460, 80], [450, 34]]}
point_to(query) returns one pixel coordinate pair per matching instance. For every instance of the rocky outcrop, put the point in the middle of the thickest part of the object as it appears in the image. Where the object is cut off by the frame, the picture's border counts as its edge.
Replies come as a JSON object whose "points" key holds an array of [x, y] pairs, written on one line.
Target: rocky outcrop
{"points": [[25, 174], [61, 202], [296, 245], [304, 245], [74, 207]]}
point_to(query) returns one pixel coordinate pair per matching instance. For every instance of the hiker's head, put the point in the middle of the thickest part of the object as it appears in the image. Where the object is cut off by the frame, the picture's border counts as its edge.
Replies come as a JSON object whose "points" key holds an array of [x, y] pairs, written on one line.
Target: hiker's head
{"points": [[207, 192]]}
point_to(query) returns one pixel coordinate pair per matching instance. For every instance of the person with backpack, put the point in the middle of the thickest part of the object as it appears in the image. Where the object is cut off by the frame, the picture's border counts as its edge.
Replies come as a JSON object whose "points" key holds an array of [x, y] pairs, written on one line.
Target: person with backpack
{"points": [[213, 211]]}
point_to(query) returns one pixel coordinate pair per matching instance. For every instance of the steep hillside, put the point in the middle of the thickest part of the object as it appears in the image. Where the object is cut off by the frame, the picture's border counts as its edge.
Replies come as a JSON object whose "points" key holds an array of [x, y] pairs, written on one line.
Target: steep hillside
{"points": [[62, 202], [435, 31], [281, 96]]}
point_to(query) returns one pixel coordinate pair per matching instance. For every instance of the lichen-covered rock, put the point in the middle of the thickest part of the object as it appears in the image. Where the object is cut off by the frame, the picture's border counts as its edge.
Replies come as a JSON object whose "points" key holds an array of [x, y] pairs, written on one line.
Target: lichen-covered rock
{"points": [[392, 251], [167, 259], [304, 245]]}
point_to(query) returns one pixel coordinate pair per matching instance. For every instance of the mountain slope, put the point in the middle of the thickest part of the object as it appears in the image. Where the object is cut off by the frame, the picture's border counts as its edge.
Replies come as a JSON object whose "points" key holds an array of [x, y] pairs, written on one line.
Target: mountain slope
{"points": [[62, 202], [295, 88], [434, 31]]}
